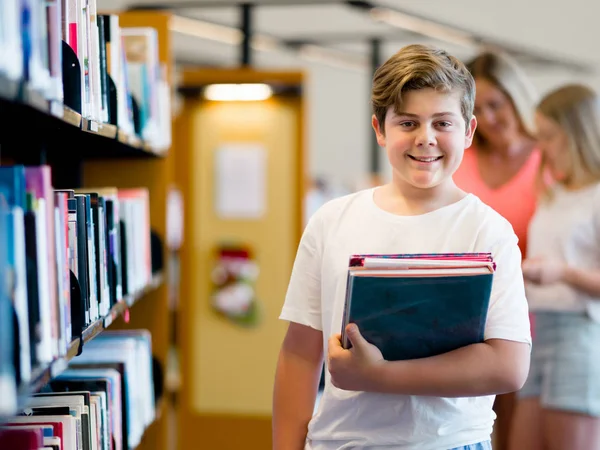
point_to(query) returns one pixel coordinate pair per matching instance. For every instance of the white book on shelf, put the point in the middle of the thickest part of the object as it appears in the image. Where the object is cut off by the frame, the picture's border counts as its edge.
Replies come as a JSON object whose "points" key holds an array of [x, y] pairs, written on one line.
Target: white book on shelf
{"points": [[94, 64], [54, 18], [143, 72], [83, 54], [13, 43], [39, 72], [47, 348]]}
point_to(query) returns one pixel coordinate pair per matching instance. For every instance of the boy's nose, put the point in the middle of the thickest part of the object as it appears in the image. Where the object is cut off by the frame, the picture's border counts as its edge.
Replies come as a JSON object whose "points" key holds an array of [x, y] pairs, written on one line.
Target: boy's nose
{"points": [[425, 138]]}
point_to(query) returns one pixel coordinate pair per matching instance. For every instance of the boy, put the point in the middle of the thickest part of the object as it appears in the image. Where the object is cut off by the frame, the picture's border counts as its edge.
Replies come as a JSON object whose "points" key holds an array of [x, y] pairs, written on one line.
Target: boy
{"points": [[423, 116]]}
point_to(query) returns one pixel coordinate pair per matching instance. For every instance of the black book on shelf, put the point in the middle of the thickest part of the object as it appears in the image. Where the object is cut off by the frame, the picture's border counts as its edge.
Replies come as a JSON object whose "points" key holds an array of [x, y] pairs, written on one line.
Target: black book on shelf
{"points": [[82, 256], [104, 90], [33, 296]]}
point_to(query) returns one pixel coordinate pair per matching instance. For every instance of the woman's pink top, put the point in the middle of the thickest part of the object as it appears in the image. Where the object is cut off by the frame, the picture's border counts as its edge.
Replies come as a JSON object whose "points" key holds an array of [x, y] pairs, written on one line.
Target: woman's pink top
{"points": [[515, 200]]}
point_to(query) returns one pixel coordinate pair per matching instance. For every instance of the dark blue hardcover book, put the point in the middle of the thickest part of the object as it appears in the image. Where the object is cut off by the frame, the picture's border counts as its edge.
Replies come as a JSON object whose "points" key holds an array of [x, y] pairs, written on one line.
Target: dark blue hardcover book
{"points": [[410, 317]]}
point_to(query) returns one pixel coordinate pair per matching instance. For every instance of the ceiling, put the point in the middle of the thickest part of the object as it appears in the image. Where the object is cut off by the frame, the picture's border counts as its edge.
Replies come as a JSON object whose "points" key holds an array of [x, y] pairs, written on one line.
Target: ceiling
{"points": [[539, 33]]}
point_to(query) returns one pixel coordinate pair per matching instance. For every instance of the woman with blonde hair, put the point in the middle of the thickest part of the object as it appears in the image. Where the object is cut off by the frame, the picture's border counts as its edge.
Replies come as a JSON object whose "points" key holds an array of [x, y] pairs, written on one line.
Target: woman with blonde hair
{"points": [[502, 164], [559, 405]]}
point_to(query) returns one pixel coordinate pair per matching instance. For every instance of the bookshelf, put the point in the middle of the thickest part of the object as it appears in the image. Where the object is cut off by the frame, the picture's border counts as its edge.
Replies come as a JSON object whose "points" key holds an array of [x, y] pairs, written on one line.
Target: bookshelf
{"points": [[88, 154], [56, 125], [42, 375]]}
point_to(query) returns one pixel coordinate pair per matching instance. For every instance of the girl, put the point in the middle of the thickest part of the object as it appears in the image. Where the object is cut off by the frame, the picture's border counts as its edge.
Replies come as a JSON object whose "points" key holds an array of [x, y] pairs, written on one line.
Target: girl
{"points": [[559, 407], [502, 165]]}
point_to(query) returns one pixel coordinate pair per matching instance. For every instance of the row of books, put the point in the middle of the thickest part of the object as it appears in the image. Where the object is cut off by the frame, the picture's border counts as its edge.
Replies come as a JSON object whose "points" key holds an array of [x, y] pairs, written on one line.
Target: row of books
{"points": [[418, 305], [67, 257], [69, 53], [104, 400]]}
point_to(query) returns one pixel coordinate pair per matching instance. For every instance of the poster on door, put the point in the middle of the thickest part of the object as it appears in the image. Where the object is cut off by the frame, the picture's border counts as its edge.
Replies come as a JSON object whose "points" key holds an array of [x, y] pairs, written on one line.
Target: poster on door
{"points": [[241, 181]]}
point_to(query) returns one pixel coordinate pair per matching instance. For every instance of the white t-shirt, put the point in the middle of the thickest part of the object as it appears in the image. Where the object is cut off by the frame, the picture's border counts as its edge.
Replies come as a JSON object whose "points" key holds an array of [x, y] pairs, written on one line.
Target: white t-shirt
{"points": [[355, 224], [566, 228]]}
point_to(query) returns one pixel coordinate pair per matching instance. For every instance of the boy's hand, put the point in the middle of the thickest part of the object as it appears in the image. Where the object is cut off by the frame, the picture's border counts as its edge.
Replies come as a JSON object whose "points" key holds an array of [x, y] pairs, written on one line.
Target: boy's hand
{"points": [[543, 271], [353, 369]]}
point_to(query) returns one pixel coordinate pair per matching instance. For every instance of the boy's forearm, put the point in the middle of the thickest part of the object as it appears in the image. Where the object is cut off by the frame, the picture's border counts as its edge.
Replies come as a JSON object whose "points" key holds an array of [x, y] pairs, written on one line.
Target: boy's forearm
{"points": [[296, 386], [493, 367]]}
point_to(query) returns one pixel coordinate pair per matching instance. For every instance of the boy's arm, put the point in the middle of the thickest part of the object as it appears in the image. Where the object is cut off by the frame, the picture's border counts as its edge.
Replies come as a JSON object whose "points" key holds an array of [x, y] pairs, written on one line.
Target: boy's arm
{"points": [[493, 367], [296, 384]]}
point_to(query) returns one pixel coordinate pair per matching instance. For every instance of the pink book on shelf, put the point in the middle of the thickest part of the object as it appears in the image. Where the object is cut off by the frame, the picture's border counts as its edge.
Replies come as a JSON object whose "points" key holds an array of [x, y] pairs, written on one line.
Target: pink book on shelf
{"points": [[38, 182]]}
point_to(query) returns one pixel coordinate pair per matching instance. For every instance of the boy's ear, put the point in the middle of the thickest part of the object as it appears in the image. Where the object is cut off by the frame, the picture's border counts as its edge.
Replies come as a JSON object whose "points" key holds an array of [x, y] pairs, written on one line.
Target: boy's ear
{"points": [[470, 132], [379, 131]]}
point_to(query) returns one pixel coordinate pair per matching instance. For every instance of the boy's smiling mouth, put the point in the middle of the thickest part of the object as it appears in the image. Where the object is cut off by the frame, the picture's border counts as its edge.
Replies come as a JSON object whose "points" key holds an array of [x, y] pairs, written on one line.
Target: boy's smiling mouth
{"points": [[425, 159]]}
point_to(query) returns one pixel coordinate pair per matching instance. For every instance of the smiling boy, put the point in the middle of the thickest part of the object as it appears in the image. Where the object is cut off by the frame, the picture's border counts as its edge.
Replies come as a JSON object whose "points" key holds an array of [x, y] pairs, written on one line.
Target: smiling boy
{"points": [[422, 102]]}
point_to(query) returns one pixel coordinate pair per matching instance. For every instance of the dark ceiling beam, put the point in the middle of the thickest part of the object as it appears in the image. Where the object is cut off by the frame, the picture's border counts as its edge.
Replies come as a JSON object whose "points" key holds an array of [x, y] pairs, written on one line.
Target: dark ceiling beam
{"points": [[246, 27]]}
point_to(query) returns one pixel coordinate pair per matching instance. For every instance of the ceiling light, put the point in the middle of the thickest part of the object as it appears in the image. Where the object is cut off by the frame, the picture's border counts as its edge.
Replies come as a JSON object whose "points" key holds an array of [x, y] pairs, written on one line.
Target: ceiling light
{"points": [[237, 92], [260, 42], [205, 30], [422, 26], [334, 58]]}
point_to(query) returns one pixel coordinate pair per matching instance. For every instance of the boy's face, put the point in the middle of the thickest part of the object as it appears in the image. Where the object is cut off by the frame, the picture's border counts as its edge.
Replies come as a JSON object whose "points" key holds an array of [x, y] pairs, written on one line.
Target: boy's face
{"points": [[426, 141]]}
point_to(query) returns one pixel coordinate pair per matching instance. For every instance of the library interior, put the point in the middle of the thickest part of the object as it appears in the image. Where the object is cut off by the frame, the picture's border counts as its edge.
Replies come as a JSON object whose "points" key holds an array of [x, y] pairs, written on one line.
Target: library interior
{"points": [[143, 272]]}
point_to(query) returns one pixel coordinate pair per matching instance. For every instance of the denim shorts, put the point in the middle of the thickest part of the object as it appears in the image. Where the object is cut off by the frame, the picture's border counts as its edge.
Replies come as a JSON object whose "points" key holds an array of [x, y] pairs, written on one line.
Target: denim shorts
{"points": [[565, 363], [487, 445]]}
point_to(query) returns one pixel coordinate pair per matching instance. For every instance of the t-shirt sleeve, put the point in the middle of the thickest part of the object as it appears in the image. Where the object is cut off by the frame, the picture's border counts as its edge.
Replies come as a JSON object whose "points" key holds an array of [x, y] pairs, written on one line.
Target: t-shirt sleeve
{"points": [[303, 298], [508, 313]]}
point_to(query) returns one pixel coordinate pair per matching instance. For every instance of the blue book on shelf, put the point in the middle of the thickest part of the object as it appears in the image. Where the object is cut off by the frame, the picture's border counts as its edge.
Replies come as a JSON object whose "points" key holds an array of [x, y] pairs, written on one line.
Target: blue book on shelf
{"points": [[414, 307]]}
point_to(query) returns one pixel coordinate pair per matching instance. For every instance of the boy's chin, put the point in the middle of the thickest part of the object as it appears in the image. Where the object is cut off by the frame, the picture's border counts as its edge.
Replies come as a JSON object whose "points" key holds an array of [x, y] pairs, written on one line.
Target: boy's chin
{"points": [[425, 182]]}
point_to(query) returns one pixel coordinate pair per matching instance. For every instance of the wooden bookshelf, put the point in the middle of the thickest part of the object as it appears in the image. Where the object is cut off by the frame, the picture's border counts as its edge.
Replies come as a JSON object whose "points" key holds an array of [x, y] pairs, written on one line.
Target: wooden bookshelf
{"points": [[42, 375], [157, 174], [85, 153], [25, 119]]}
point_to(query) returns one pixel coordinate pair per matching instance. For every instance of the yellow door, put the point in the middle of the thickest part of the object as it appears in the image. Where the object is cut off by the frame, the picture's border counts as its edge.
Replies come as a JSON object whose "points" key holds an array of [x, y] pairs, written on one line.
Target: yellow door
{"points": [[231, 368]]}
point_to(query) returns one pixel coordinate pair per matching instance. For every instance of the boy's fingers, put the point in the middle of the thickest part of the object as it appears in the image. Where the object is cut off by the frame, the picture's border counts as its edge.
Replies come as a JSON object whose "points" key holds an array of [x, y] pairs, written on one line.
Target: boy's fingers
{"points": [[354, 335]]}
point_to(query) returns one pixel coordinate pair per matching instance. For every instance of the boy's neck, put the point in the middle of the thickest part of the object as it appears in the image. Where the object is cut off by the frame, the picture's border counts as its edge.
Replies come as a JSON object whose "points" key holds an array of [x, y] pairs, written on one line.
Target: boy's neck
{"points": [[405, 200]]}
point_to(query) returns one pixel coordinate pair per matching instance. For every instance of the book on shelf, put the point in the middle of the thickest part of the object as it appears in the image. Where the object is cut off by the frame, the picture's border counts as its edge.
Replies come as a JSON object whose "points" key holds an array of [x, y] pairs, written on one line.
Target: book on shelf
{"points": [[68, 256], [104, 400], [106, 58], [418, 305]]}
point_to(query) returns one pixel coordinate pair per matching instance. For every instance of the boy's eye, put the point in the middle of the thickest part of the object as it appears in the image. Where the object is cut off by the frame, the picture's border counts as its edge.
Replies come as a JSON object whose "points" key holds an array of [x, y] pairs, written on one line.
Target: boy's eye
{"points": [[407, 124], [444, 124]]}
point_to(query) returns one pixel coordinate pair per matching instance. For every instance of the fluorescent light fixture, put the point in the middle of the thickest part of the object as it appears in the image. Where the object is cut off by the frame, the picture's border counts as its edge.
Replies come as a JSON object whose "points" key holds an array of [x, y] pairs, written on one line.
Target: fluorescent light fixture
{"points": [[237, 92], [265, 44], [205, 30], [330, 57], [233, 36], [422, 26]]}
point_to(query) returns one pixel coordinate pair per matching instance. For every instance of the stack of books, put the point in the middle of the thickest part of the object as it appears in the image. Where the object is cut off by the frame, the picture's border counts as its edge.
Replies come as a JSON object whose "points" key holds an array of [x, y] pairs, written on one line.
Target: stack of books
{"points": [[418, 305]]}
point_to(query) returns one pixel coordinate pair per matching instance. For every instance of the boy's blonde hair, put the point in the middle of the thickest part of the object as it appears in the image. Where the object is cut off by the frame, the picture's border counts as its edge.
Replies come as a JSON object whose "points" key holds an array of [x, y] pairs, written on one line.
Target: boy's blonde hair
{"points": [[504, 73], [575, 108], [417, 67]]}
